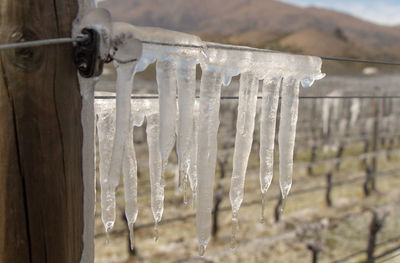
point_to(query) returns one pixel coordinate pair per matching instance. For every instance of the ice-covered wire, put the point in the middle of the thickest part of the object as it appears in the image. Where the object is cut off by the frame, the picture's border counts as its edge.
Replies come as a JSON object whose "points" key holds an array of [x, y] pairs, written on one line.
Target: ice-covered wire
{"points": [[205, 46], [260, 97], [45, 42]]}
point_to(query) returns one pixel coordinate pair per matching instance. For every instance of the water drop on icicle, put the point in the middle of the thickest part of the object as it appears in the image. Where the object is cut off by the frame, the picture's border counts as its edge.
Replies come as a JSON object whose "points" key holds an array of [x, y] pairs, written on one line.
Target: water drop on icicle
{"points": [[309, 80], [283, 204], [202, 250]]}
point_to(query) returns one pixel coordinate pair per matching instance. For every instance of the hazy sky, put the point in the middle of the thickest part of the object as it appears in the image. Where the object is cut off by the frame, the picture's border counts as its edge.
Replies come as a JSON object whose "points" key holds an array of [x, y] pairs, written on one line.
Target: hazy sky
{"points": [[385, 12]]}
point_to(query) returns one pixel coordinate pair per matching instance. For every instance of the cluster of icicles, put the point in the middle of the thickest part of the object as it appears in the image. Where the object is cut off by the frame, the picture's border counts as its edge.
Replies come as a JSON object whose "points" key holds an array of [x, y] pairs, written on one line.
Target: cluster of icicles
{"points": [[192, 124]]}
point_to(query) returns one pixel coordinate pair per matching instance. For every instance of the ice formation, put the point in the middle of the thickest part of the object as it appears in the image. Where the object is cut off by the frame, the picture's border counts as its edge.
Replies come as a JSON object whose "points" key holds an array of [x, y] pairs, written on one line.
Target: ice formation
{"points": [[105, 111], [269, 108], [126, 51], [176, 75], [155, 162], [193, 124], [100, 20]]}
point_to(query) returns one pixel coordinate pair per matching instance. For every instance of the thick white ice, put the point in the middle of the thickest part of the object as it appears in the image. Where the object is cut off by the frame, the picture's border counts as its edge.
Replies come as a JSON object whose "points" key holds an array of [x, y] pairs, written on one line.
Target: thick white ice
{"points": [[269, 107], [193, 153], [248, 91], [210, 92], [176, 75], [186, 76], [217, 68], [299, 68], [105, 111], [129, 169], [155, 163], [126, 51], [166, 80]]}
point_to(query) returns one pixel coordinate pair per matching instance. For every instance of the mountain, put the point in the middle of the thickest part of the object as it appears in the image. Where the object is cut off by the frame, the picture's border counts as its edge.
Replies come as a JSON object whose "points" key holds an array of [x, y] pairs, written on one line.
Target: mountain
{"points": [[266, 24]]}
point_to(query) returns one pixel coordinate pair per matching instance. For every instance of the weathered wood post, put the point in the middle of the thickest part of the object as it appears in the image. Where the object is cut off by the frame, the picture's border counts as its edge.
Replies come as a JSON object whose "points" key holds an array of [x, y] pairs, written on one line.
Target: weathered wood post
{"points": [[41, 192]]}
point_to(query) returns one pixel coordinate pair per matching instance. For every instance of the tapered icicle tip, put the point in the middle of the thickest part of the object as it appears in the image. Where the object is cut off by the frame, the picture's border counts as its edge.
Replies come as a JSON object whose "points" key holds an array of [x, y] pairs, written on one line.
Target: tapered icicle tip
{"points": [[283, 204], [131, 235], [180, 181], [185, 202], [202, 250], [156, 231], [263, 201], [194, 196], [235, 229]]}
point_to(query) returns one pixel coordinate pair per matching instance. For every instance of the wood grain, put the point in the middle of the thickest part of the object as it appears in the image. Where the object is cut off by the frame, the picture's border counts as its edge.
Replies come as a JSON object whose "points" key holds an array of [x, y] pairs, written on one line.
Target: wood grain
{"points": [[41, 192]]}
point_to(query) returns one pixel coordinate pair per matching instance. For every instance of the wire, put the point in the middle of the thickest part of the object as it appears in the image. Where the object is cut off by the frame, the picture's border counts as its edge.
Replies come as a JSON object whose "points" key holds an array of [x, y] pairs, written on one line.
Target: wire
{"points": [[388, 259], [260, 97], [244, 48], [54, 41], [204, 47]]}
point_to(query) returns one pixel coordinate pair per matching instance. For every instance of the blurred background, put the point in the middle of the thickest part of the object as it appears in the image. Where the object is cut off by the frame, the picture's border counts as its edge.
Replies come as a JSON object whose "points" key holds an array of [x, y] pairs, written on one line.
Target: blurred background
{"points": [[344, 203]]}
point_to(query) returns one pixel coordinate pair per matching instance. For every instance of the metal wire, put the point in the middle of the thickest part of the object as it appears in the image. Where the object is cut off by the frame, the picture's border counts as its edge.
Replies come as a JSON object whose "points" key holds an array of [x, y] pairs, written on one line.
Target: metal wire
{"points": [[205, 46], [251, 49], [260, 97], [36, 43], [388, 259]]}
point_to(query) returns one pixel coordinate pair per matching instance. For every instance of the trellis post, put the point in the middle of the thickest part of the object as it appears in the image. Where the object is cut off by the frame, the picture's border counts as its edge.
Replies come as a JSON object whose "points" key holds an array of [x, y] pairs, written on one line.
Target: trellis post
{"points": [[41, 191]]}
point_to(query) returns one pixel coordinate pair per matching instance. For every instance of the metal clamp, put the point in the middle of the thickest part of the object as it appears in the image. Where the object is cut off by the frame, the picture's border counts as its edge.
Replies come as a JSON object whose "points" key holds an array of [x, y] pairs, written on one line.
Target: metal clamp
{"points": [[87, 55]]}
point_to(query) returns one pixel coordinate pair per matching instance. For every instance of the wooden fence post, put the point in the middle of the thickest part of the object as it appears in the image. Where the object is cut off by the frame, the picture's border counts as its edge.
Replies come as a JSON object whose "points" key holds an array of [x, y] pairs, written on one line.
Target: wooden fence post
{"points": [[41, 196]]}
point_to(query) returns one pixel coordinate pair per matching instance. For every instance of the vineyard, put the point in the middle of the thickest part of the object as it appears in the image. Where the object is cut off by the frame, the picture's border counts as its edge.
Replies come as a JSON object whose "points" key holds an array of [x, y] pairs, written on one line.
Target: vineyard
{"points": [[343, 206]]}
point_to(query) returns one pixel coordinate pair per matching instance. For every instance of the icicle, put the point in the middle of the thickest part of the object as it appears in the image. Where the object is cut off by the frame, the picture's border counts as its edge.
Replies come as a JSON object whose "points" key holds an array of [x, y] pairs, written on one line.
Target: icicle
{"points": [[166, 80], [244, 138], [193, 153], [269, 107], [186, 98], [126, 51], [105, 110], [287, 132], [210, 92], [155, 164], [129, 171]]}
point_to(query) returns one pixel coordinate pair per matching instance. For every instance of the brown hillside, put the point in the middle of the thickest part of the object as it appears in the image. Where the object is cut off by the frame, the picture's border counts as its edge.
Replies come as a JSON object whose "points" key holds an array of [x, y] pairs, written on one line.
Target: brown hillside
{"points": [[264, 23]]}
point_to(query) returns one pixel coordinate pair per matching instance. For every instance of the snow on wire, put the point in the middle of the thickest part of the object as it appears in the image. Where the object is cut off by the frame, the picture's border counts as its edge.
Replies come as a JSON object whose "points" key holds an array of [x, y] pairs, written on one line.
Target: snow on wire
{"points": [[189, 123]]}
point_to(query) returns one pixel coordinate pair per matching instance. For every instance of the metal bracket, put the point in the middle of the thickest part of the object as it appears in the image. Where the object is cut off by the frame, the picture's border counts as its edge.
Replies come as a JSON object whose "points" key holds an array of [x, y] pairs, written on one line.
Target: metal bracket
{"points": [[87, 55]]}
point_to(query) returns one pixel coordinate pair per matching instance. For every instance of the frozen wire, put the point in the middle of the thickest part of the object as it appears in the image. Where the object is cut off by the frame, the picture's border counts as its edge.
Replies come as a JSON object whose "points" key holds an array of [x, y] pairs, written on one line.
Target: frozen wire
{"points": [[36, 43], [204, 47]]}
